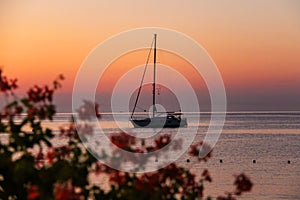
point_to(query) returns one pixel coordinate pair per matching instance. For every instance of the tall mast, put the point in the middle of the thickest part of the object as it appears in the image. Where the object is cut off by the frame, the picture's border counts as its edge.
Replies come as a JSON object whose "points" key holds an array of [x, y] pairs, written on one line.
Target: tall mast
{"points": [[154, 77]]}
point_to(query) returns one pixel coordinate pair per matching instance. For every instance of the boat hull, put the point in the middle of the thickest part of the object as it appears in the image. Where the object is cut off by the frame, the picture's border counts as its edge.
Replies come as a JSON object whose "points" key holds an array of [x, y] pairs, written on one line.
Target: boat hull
{"points": [[159, 122]]}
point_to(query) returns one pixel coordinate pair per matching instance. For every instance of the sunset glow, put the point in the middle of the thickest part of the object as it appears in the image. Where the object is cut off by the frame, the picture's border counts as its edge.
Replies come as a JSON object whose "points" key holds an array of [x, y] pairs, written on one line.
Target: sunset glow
{"points": [[255, 44]]}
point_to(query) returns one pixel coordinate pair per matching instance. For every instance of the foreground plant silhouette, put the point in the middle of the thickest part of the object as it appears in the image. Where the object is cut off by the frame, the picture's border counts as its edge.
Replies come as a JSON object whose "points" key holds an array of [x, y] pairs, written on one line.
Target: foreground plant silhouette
{"points": [[33, 167]]}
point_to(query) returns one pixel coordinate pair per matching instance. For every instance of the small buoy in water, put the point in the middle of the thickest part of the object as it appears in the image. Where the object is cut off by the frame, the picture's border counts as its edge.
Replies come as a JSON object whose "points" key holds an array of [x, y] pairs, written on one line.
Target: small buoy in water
{"points": [[188, 160], [254, 161], [221, 161], [289, 162]]}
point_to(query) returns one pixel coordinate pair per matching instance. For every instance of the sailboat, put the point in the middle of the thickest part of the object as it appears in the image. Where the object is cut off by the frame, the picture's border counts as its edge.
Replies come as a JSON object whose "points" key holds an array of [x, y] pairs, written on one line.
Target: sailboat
{"points": [[157, 119]]}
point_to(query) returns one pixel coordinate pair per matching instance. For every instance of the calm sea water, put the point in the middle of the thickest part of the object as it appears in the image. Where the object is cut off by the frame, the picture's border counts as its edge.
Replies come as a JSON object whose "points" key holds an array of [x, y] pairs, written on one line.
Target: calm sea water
{"points": [[272, 139]]}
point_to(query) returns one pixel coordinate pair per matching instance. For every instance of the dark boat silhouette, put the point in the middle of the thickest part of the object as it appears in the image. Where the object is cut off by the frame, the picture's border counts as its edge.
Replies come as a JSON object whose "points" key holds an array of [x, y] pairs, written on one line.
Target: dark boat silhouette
{"points": [[157, 119]]}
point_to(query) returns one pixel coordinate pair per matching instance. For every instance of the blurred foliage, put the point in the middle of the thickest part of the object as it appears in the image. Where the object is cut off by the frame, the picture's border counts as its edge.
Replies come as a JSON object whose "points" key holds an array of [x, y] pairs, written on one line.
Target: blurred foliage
{"points": [[33, 167]]}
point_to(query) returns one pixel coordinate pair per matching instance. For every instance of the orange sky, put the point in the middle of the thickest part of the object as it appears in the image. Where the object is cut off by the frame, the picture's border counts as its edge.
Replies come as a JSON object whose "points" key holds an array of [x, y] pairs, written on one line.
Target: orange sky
{"points": [[255, 44], [138, 58]]}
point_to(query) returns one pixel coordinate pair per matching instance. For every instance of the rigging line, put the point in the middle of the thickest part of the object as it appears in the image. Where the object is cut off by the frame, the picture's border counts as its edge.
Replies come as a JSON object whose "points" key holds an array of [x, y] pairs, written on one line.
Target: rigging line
{"points": [[142, 80]]}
